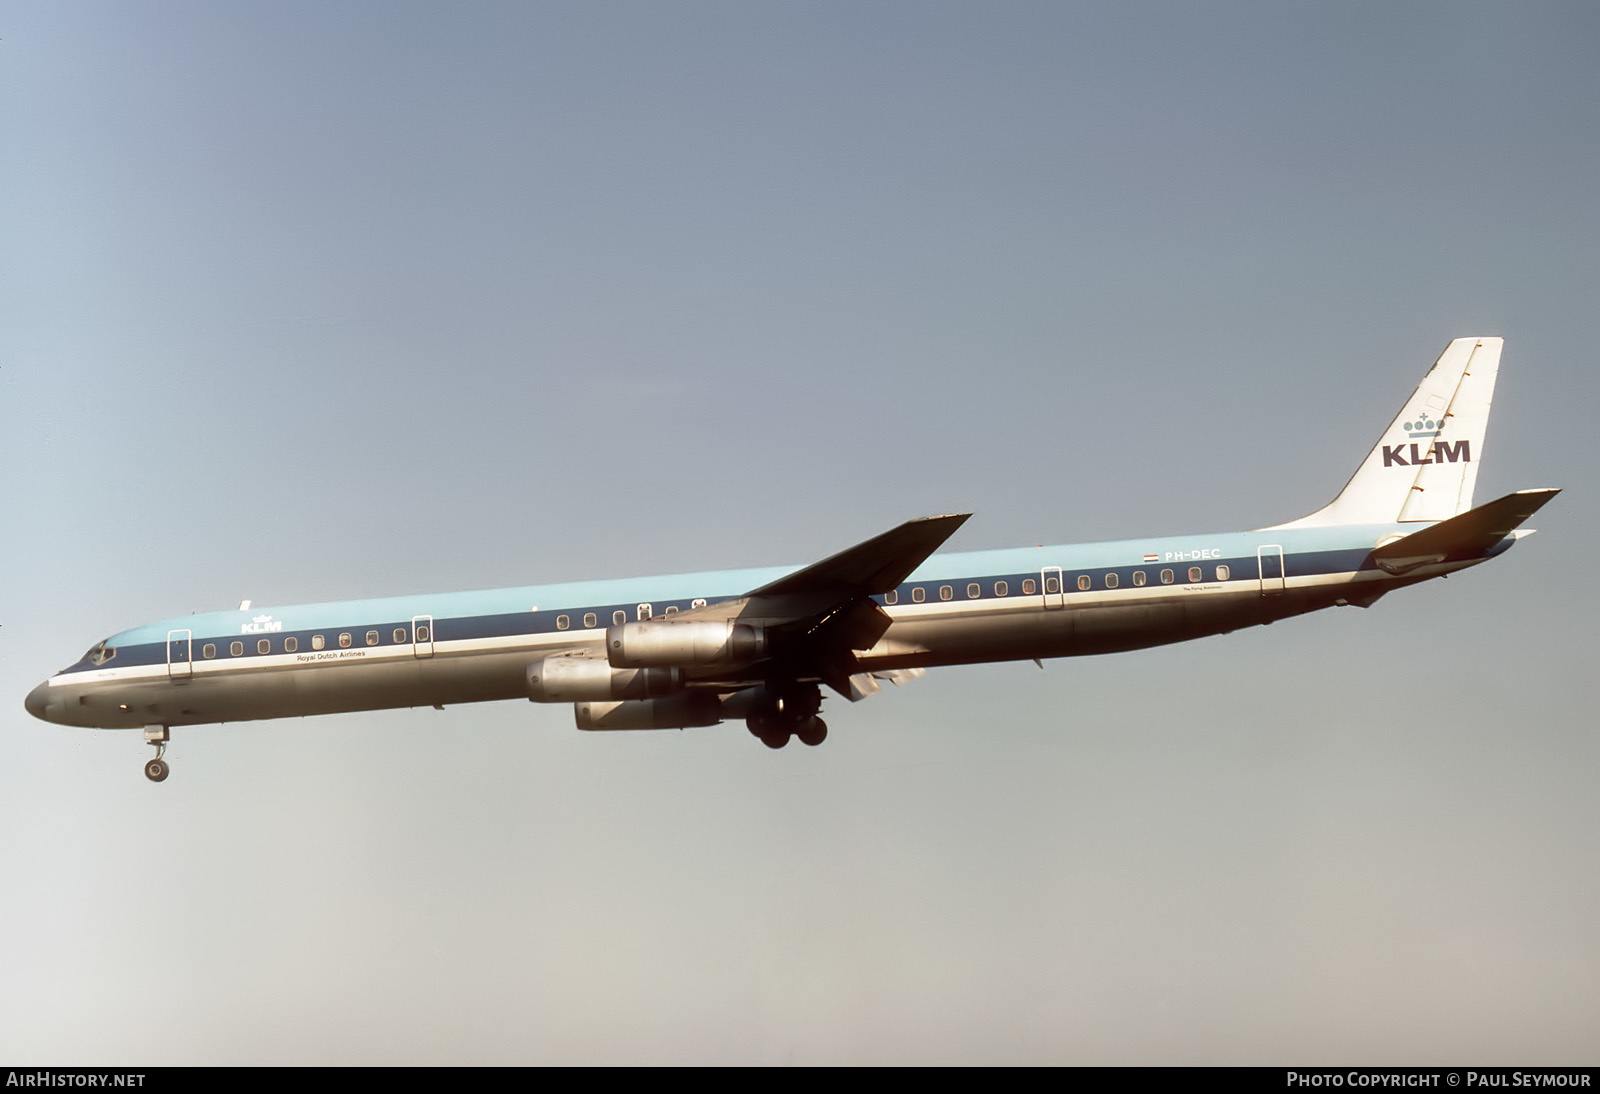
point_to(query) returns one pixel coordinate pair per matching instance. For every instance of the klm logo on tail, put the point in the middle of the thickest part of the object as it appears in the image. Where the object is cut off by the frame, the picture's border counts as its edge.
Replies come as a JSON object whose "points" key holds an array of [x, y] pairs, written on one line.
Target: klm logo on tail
{"points": [[1423, 427], [1459, 452]]}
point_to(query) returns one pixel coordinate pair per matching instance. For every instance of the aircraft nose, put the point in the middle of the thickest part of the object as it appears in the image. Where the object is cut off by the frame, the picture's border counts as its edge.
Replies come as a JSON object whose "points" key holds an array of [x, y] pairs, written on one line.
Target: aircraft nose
{"points": [[38, 702]]}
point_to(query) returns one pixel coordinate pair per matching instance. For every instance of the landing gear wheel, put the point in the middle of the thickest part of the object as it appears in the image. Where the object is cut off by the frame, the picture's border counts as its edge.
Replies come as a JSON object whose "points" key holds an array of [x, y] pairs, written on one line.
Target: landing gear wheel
{"points": [[157, 770], [775, 740], [813, 733]]}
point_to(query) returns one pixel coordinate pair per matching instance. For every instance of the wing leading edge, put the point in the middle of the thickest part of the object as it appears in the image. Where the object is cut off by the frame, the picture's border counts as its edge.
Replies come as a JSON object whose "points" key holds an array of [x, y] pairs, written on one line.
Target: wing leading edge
{"points": [[873, 566]]}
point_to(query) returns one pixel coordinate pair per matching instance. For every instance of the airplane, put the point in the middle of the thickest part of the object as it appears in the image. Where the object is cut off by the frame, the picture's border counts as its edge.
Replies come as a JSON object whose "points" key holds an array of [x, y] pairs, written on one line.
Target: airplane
{"points": [[760, 645]]}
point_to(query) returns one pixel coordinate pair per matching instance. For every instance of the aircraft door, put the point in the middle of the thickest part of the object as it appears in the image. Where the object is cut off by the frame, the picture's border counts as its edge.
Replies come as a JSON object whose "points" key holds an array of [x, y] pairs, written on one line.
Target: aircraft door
{"points": [[422, 636], [1269, 565], [179, 647], [1052, 586]]}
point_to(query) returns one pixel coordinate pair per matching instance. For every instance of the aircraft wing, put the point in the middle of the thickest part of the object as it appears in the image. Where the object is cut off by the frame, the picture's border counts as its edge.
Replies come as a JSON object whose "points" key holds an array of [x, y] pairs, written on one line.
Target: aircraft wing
{"points": [[820, 614], [875, 566], [824, 611]]}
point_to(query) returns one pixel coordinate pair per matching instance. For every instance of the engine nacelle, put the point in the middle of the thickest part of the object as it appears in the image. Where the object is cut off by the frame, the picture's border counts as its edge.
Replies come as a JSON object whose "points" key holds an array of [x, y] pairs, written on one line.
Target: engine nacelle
{"points": [[693, 708], [570, 679], [697, 645]]}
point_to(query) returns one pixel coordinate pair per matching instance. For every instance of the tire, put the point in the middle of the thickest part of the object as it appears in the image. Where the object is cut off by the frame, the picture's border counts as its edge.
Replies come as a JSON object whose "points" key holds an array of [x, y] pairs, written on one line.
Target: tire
{"points": [[813, 733]]}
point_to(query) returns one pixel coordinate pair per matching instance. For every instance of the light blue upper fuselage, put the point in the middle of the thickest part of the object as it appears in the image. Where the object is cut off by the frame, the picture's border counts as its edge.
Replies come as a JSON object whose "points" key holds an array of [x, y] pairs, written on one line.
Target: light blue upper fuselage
{"points": [[727, 584]]}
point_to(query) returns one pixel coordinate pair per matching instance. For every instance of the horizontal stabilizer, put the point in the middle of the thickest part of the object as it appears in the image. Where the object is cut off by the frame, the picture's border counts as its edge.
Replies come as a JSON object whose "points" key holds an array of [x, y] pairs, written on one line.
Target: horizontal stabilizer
{"points": [[1462, 537]]}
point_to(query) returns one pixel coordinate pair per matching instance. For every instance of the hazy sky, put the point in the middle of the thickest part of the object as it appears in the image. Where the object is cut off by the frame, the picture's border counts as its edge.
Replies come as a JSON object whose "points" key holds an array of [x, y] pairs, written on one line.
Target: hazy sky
{"points": [[317, 301]]}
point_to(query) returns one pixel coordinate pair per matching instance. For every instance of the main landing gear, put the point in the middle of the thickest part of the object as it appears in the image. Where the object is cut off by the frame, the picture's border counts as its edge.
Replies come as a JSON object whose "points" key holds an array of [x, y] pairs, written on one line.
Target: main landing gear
{"points": [[157, 770], [790, 714], [813, 731]]}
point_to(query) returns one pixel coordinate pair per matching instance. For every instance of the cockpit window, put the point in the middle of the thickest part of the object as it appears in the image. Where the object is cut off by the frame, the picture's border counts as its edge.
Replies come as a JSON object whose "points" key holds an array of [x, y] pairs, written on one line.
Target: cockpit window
{"points": [[100, 654]]}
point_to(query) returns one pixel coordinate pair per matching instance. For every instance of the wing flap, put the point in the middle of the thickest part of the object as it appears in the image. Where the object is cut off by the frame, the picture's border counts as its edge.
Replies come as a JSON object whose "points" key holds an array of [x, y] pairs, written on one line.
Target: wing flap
{"points": [[866, 684]]}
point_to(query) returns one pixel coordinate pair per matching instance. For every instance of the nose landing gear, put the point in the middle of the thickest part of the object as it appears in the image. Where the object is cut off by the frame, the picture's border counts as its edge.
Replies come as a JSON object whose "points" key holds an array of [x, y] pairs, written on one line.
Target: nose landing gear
{"points": [[157, 769]]}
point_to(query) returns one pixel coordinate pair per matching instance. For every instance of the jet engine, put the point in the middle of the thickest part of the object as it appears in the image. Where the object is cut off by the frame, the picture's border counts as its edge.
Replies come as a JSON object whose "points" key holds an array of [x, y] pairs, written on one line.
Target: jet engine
{"points": [[695, 645], [570, 679], [692, 708]]}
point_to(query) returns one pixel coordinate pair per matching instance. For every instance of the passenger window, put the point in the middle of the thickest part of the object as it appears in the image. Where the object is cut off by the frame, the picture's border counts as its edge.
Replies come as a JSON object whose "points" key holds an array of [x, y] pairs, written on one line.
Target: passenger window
{"points": [[1194, 573], [372, 638], [1083, 582], [1166, 577], [1222, 573], [1000, 588], [561, 622], [1138, 577], [672, 609], [972, 591], [919, 594], [644, 612], [618, 616], [944, 592], [891, 597], [236, 649], [316, 642], [590, 619], [1029, 586], [399, 635], [290, 645], [264, 646], [209, 651], [1111, 581], [344, 639], [698, 604], [1052, 584], [422, 634]]}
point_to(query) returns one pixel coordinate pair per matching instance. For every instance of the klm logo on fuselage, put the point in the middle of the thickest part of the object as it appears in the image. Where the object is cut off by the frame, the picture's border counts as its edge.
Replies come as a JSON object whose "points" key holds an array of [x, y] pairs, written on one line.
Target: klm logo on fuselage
{"points": [[1415, 455], [261, 624]]}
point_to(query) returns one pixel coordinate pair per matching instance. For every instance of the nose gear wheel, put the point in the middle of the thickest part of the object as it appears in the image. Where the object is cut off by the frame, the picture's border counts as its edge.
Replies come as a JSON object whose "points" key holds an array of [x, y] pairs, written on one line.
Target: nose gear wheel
{"points": [[157, 769]]}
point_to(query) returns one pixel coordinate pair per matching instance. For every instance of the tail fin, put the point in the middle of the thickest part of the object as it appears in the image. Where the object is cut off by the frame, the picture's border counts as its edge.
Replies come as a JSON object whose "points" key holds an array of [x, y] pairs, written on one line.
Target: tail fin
{"points": [[1425, 465]]}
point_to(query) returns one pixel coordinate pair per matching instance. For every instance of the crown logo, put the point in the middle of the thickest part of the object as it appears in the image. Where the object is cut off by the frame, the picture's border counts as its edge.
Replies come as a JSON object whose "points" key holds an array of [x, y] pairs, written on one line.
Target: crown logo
{"points": [[1424, 427]]}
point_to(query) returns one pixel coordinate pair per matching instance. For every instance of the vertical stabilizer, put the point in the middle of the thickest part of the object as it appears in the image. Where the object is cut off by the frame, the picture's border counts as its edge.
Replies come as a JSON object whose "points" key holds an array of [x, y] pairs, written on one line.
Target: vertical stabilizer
{"points": [[1425, 465]]}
